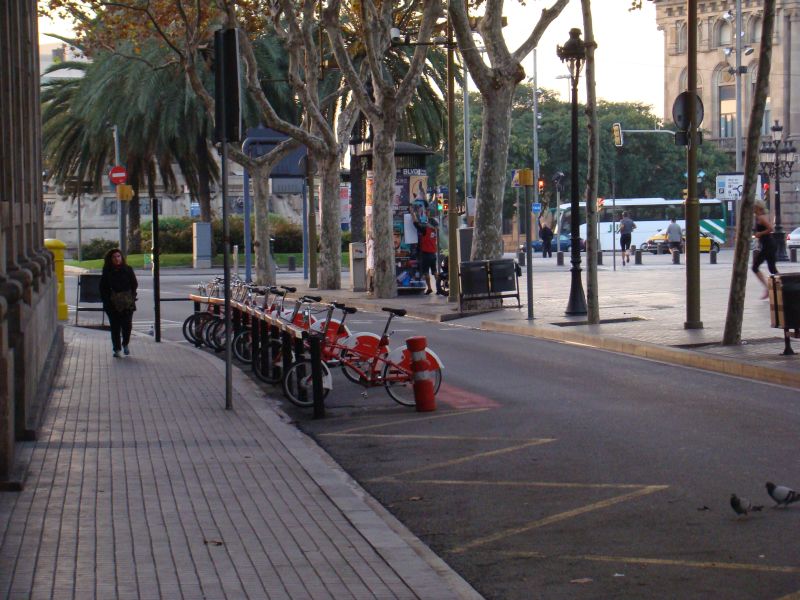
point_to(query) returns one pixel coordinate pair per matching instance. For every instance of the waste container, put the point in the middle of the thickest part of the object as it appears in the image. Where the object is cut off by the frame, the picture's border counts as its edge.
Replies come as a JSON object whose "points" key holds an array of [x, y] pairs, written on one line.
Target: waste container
{"points": [[522, 254], [784, 305], [503, 276], [474, 278]]}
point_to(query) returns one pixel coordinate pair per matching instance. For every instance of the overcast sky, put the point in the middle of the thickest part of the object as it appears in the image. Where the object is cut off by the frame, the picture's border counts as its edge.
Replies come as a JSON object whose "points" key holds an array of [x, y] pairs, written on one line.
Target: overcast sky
{"points": [[630, 50]]}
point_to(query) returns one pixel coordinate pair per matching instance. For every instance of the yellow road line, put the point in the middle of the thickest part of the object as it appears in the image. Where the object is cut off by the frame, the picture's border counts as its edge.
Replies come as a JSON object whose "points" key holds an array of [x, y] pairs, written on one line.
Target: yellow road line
{"points": [[463, 459], [650, 489], [531, 484], [665, 562], [414, 420], [421, 437]]}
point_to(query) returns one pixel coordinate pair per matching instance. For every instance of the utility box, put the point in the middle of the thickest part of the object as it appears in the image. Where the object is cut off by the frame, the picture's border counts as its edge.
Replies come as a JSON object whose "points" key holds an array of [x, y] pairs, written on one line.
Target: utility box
{"points": [[201, 245], [358, 266]]}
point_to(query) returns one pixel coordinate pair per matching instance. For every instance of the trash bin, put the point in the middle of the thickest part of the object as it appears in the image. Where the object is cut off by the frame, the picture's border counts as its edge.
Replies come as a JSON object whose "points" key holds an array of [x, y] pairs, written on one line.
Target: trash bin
{"points": [[522, 254], [503, 276], [784, 305], [474, 278]]}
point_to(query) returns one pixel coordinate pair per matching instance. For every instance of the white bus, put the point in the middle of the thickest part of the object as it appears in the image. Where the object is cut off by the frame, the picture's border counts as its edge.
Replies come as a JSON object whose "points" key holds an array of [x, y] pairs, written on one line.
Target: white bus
{"points": [[649, 214]]}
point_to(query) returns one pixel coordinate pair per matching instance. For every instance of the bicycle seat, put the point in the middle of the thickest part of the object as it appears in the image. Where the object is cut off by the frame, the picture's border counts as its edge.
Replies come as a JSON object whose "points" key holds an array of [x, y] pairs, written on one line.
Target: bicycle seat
{"points": [[400, 312], [347, 309], [311, 298], [289, 288]]}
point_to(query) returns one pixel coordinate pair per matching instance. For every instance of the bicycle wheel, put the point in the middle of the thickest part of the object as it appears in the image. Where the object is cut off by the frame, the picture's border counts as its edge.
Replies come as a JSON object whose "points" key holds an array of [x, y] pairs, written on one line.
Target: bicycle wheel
{"points": [[272, 373], [243, 346], [364, 347], [399, 382], [298, 387], [214, 334], [193, 327]]}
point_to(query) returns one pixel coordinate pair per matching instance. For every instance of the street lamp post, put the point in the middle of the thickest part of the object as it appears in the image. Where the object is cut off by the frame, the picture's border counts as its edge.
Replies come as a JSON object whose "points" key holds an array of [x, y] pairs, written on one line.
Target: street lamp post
{"points": [[777, 158], [573, 52]]}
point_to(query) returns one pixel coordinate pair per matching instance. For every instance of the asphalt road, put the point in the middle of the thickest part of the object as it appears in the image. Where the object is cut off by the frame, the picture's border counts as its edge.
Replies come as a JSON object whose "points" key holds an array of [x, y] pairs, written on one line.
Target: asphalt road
{"points": [[558, 471]]}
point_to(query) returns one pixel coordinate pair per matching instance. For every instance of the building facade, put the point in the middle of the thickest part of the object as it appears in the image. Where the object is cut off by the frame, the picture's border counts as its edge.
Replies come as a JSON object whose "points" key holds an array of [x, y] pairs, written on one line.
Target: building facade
{"points": [[30, 337], [717, 75]]}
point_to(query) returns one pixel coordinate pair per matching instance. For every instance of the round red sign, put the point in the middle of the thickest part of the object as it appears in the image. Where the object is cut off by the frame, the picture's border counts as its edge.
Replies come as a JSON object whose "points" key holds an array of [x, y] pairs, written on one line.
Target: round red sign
{"points": [[118, 175]]}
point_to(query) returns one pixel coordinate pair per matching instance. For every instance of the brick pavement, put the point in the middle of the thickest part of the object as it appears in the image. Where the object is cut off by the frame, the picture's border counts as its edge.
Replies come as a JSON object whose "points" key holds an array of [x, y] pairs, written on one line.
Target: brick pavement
{"points": [[141, 485]]}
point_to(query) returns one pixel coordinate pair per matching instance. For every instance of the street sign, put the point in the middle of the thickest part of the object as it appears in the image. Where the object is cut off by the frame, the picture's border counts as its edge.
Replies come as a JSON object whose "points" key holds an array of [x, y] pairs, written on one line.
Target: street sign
{"points": [[731, 185], [515, 178], [118, 175], [680, 111], [536, 207]]}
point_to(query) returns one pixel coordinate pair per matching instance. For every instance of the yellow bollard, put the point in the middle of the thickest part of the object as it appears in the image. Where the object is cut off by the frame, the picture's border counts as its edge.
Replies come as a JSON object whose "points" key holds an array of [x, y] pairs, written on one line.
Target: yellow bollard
{"points": [[57, 247]]}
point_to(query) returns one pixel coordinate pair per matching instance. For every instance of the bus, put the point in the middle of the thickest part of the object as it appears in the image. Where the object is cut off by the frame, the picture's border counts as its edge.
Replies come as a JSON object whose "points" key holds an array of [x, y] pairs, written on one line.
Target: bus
{"points": [[650, 216]]}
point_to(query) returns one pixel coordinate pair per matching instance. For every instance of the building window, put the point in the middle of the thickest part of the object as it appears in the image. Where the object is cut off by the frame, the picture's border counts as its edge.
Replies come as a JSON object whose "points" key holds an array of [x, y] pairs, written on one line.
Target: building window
{"points": [[755, 30], [48, 208], [767, 121], [727, 104], [109, 205], [724, 34], [682, 43]]}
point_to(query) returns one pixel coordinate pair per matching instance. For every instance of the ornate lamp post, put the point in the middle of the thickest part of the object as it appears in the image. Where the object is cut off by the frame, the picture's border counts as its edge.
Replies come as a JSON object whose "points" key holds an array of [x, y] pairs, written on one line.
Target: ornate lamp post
{"points": [[573, 52], [777, 157]]}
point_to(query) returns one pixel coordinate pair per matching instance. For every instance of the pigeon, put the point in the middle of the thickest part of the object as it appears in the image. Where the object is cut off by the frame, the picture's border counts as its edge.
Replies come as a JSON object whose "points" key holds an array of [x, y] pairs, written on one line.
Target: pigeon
{"points": [[783, 495], [742, 506]]}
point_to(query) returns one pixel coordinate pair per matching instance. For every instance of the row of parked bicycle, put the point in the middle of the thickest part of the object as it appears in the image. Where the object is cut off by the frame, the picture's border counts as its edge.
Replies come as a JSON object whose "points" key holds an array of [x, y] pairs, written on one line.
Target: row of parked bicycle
{"points": [[265, 319]]}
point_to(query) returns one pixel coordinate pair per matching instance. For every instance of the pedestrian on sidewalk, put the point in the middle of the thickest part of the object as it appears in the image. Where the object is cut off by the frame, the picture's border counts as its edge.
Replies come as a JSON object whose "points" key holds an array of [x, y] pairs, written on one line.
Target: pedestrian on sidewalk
{"points": [[765, 249], [426, 250], [118, 291], [626, 227], [674, 235], [546, 235]]}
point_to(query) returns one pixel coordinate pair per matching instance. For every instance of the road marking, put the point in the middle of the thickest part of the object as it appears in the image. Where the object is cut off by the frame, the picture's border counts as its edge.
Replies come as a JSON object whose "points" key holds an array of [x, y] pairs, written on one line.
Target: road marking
{"points": [[666, 562], [402, 421], [463, 459], [650, 489], [794, 596], [531, 484], [459, 398], [423, 437]]}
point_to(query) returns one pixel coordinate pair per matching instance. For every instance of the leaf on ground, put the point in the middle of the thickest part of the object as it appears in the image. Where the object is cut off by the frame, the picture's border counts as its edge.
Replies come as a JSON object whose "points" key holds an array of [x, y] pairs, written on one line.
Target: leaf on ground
{"points": [[582, 580], [214, 542]]}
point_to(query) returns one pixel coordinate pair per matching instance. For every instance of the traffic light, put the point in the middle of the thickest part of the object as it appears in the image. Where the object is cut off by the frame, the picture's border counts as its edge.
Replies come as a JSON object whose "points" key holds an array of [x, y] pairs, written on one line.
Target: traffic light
{"points": [[600, 203], [541, 184], [616, 129], [685, 193], [445, 205], [765, 190]]}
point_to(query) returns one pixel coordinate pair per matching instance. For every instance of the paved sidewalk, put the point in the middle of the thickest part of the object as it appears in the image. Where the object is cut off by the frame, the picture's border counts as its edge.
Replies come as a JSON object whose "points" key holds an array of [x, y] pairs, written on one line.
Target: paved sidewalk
{"points": [[642, 312], [141, 485]]}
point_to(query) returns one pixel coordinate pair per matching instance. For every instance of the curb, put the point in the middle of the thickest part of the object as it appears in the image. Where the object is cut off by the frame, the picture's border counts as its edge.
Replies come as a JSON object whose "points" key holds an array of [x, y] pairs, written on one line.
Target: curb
{"points": [[674, 356]]}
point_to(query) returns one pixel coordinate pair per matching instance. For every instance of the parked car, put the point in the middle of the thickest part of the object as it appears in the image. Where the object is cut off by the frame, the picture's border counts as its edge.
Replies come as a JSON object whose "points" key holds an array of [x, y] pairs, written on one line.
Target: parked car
{"points": [[707, 243], [566, 244], [793, 239]]}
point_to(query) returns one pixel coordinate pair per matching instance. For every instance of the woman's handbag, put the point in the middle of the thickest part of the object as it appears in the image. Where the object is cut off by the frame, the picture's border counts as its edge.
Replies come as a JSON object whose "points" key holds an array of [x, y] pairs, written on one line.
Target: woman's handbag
{"points": [[123, 301]]}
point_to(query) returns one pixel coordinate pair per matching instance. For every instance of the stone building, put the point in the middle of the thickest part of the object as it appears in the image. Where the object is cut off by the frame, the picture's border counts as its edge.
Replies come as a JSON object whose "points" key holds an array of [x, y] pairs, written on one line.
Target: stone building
{"points": [[30, 337], [716, 74]]}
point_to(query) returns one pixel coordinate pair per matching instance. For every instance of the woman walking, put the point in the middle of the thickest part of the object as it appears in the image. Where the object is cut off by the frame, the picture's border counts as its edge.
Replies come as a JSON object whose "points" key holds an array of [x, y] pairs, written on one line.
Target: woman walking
{"points": [[766, 249], [118, 291]]}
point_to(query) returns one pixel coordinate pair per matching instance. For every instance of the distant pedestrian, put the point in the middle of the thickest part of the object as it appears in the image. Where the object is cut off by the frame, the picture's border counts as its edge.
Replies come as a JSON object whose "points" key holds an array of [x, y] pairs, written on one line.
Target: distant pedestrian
{"points": [[626, 227], [674, 235], [428, 233], [546, 235], [766, 248], [118, 291]]}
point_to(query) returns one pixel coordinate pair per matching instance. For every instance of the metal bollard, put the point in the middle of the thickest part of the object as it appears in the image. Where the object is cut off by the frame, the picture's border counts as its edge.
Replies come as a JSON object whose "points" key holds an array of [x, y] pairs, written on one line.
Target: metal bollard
{"points": [[560, 259], [57, 247], [315, 348], [793, 254], [637, 257], [292, 263], [712, 256], [424, 394], [676, 257], [599, 257]]}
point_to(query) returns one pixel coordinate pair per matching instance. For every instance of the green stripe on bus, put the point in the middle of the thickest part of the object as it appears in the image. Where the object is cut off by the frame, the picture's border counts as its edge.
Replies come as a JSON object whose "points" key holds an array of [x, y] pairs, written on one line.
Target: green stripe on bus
{"points": [[715, 228]]}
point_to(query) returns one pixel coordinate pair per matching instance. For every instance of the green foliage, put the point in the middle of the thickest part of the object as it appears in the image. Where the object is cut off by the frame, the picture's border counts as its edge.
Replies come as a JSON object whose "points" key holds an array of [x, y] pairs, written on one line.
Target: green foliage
{"points": [[97, 248], [288, 237]]}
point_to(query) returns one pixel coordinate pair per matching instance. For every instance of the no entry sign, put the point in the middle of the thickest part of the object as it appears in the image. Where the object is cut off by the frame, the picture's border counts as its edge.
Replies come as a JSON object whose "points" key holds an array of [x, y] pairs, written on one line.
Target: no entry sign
{"points": [[117, 175]]}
